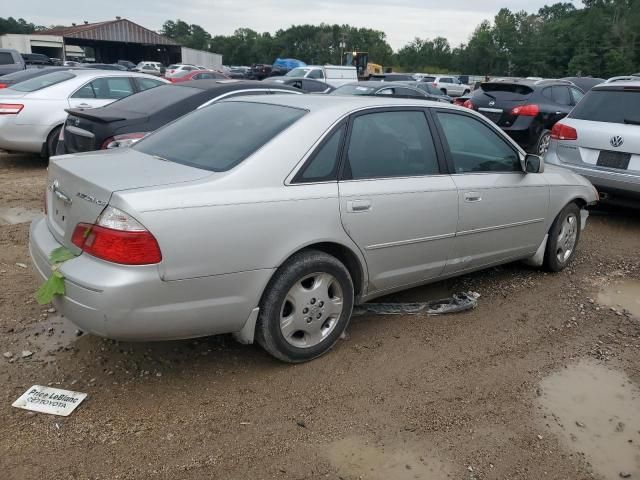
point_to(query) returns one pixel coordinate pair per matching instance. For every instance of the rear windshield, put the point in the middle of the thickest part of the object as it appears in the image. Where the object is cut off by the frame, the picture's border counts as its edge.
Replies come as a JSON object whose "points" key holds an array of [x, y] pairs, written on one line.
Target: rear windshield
{"points": [[220, 136], [611, 106], [354, 90], [428, 79], [515, 88], [43, 81], [172, 67], [155, 99]]}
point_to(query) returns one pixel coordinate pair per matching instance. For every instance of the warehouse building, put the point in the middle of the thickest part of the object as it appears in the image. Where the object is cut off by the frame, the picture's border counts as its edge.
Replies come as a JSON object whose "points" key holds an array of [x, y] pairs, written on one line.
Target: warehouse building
{"points": [[107, 42]]}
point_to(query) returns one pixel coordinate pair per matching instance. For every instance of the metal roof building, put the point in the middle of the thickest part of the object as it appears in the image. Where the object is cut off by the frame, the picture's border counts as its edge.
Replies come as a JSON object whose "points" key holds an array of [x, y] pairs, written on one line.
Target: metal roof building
{"points": [[118, 39]]}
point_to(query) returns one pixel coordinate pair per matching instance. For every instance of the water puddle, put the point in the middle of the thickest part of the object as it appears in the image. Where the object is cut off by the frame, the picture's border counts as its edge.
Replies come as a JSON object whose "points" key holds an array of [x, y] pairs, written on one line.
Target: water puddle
{"points": [[50, 336], [354, 458], [14, 215], [596, 412], [622, 295]]}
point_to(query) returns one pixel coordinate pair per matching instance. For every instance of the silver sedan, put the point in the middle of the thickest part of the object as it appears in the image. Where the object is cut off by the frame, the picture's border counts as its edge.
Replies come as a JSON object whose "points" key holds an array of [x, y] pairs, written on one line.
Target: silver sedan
{"points": [[270, 217]]}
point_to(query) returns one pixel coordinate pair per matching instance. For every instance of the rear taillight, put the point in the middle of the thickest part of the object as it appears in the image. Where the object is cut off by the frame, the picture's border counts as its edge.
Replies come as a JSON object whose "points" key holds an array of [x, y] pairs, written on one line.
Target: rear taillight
{"points": [[434, 84], [119, 238], [468, 104], [124, 140], [10, 108], [4, 85], [530, 110], [561, 131]]}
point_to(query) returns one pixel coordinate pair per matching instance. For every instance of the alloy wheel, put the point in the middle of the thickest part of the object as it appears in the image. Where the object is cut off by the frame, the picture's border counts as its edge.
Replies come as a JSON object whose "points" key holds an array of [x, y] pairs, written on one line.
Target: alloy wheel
{"points": [[567, 238]]}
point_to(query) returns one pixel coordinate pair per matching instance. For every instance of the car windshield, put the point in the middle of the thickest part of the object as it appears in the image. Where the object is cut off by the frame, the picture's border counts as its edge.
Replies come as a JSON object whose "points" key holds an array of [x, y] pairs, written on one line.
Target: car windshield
{"points": [[172, 67], [297, 73], [220, 136], [42, 81], [621, 105], [354, 90]]}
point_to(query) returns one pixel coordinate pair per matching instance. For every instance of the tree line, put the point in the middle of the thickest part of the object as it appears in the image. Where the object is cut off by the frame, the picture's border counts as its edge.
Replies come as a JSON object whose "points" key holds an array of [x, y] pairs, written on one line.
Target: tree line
{"points": [[602, 39]]}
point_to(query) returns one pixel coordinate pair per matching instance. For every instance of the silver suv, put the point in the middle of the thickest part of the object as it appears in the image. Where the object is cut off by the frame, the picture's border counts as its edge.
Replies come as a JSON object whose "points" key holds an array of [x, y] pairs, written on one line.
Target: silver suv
{"points": [[10, 61], [600, 139], [449, 85]]}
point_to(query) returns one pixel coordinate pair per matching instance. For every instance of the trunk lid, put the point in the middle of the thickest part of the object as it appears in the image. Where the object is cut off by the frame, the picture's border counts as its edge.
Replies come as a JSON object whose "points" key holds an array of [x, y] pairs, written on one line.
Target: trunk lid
{"points": [[79, 187], [495, 100]]}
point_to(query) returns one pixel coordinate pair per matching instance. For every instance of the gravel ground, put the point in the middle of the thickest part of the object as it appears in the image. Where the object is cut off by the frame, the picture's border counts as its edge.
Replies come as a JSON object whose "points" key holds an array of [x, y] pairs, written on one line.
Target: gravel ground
{"points": [[411, 396]]}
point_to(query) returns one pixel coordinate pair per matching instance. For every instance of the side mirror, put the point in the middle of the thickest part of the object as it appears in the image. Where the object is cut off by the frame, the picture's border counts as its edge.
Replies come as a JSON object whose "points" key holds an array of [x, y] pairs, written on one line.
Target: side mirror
{"points": [[533, 164]]}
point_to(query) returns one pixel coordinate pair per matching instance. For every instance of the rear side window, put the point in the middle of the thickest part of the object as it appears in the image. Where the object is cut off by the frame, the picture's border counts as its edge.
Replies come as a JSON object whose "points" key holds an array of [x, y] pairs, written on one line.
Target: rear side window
{"points": [[611, 106], [147, 83], [106, 88], [6, 58], [42, 81], [219, 137], [475, 147], [324, 162], [561, 95], [316, 74], [390, 144]]}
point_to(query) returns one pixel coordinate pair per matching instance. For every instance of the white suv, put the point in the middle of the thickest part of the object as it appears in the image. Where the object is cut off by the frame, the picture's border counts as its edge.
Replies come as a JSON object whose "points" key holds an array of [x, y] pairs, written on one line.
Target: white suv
{"points": [[449, 85], [150, 68], [600, 139]]}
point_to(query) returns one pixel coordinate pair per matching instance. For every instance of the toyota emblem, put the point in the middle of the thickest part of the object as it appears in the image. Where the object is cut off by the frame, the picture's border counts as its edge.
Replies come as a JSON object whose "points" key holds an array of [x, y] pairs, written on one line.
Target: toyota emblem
{"points": [[616, 141]]}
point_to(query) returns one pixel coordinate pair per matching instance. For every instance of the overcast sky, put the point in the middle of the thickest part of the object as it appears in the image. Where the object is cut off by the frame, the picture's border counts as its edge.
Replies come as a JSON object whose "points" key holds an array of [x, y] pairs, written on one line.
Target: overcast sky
{"points": [[402, 20]]}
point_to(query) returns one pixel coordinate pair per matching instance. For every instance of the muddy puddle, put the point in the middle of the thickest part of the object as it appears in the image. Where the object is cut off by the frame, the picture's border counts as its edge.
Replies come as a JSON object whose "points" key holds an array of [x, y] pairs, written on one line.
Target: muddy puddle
{"points": [[622, 295], [50, 336], [354, 457], [14, 215], [595, 411]]}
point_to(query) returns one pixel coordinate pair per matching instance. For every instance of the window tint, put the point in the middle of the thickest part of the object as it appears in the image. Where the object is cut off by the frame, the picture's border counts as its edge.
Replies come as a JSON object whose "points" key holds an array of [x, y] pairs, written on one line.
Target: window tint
{"points": [[577, 95], [475, 147], [314, 86], [42, 81], [561, 95], [112, 88], [391, 144], [6, 58], [324, 162], [546, 92], [147, 83], [612, 106], [446, 80], [221, 135], [316, 74]]}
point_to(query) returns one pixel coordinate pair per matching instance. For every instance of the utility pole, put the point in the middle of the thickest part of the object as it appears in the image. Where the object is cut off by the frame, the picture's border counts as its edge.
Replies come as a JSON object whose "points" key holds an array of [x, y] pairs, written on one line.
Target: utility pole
{"points": [[343, 45]]}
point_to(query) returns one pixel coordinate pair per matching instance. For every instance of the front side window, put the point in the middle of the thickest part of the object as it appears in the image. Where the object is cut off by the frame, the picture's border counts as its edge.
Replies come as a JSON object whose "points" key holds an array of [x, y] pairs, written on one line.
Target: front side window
{"points": [[577, 95], [475, 147], [390, 144], [323, 165], [219, 137]]}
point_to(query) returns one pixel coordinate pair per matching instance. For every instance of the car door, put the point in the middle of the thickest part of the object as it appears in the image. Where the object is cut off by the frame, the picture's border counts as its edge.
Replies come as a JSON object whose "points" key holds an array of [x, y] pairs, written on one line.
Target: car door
{"points": [[396, 201], [101, 91], [502, 209]]}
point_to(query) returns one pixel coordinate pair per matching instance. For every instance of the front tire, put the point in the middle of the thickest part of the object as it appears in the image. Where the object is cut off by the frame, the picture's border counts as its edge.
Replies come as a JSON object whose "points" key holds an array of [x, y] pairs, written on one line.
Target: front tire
{"points": [[443, 90], [564, 236], [305, 308]]}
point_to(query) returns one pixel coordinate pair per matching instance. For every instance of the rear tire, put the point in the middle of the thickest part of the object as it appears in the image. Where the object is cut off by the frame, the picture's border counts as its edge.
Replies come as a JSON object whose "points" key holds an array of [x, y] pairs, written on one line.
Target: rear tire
{"points": [[305, 308], [563, 240], [443, 90], [466, 92], [52, 143]]}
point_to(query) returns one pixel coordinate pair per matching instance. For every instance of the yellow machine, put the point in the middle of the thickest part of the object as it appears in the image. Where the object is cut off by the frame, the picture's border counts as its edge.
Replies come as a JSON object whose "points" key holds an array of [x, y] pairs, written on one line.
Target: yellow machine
{"points": [[374, 69]]}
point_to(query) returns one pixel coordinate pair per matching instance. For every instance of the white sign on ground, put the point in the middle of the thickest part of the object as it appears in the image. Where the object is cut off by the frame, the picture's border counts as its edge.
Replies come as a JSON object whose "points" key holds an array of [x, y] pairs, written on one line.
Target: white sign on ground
{"points": [[54, 401]]}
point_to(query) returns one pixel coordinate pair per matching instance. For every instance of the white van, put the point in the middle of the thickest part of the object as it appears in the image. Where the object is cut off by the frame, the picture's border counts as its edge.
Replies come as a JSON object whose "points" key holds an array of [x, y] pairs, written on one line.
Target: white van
{"points": [[333, 75]]}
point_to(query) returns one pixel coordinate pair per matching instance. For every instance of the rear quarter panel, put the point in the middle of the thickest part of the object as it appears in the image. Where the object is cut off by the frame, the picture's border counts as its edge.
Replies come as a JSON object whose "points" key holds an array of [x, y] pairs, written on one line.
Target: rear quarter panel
{"points": [[566, 187]]}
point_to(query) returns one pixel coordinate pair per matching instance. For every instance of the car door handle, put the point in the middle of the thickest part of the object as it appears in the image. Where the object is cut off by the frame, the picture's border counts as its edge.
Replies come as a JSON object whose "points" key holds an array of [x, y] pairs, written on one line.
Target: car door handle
{"points": [[84, 105], [358, 206], [472, 197]]}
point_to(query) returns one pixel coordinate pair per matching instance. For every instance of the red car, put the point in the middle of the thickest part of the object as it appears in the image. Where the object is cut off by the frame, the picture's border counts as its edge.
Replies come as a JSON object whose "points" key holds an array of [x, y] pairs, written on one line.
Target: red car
{"points": [[196, 75]]}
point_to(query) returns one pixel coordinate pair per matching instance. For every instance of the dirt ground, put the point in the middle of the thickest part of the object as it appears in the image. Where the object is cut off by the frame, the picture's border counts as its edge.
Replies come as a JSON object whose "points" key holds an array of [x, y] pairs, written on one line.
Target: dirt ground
{"points": [[538, 382]]}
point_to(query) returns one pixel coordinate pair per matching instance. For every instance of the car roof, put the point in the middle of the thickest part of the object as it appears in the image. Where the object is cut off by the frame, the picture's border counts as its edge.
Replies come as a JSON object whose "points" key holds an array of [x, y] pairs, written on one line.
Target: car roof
{"points": [[230, 84], [338, 104], [619, 85]]}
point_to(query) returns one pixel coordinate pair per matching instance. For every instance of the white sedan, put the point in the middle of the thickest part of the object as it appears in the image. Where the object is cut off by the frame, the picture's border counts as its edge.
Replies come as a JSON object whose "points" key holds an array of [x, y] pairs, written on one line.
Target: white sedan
{"points": [[32, 112]]}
